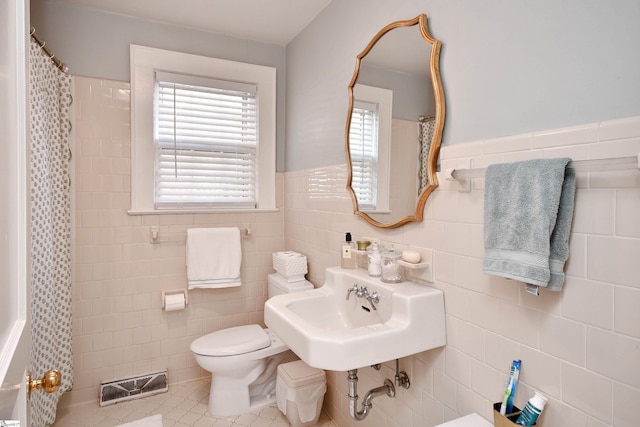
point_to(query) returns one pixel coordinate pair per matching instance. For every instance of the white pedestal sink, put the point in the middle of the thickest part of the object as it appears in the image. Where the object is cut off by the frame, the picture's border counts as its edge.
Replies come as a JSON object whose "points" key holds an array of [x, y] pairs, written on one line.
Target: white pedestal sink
{"points": [[329, 331]]}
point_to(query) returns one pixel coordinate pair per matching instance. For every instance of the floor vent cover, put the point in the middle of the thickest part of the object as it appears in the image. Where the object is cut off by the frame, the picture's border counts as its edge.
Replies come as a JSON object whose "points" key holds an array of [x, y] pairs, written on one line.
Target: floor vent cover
{"points": [[115, 391]]}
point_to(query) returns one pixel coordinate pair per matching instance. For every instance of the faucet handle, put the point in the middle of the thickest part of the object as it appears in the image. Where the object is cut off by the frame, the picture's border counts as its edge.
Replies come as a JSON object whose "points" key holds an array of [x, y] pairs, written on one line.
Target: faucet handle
{"points": [[362, 292], [375, 297], [354, 288]]}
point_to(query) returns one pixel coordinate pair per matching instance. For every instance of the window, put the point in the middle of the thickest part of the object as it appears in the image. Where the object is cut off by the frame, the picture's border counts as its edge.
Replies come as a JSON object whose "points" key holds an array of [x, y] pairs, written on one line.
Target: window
{"points": [[205, 142], [363, 147], [203, 134], [369, 147]]}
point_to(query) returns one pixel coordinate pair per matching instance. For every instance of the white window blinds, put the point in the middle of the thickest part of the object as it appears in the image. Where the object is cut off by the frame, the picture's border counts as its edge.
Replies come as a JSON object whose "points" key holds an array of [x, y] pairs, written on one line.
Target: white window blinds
{"points": [[205, 138], [363, 147]]}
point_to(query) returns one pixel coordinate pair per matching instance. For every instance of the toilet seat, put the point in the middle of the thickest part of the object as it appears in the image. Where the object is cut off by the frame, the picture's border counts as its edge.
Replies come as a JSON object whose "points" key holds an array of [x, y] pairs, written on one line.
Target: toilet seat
{"points": [[471, 420], [232, 341]]}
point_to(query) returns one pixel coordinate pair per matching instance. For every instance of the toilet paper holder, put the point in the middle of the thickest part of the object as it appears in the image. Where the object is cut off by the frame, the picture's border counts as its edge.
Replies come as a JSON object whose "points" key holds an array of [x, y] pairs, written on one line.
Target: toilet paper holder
{"points": [[165, 294]]}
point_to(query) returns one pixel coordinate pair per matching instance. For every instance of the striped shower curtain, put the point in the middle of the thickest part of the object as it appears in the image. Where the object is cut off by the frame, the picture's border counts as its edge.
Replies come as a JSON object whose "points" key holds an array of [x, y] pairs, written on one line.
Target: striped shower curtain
{"points": [[50, 204]]}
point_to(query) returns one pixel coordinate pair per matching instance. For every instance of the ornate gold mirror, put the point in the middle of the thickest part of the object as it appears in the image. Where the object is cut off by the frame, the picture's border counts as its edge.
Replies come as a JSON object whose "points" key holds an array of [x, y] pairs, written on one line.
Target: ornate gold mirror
{"points": [[394, 124]]}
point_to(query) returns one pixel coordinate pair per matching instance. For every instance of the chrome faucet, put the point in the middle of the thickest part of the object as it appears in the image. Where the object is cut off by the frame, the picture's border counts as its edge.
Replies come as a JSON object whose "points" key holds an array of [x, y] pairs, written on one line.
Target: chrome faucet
{"points": [[363, 292], [354, 288], [373, 299]]}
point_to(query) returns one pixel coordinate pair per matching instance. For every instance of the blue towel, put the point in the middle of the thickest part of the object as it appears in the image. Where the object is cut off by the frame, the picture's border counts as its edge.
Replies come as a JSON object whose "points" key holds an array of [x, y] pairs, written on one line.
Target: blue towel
{"points": [[528, 209]]}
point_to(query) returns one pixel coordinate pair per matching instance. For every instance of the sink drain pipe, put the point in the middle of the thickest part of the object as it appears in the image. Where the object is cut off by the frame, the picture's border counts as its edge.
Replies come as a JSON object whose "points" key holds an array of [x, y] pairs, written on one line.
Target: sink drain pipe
{"points": [[387, 388]]}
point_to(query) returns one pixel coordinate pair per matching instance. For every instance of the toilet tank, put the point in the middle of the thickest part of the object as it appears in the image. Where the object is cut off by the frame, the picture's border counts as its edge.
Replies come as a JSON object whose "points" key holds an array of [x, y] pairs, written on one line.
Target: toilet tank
{"points": [[278, 285]]}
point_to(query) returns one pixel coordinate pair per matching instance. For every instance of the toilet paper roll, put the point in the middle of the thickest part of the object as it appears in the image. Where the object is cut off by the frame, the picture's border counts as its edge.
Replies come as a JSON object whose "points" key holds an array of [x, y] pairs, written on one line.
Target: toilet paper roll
{"points": [[174, 302]]}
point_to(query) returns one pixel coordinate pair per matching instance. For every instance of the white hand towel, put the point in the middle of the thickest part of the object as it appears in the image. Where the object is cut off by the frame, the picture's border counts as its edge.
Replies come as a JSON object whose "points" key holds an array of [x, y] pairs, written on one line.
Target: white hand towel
{"points": [[214, 256]]}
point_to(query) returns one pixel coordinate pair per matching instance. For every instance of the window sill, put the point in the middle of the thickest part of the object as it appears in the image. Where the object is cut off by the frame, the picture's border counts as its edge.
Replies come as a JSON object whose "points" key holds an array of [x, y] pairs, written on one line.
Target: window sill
{"points": [[198, 211], [381, 212]]}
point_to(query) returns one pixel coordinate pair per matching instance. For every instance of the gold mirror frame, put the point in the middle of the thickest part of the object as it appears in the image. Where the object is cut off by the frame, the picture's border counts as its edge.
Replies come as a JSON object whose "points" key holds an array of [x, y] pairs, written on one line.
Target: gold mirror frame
{"points": [[438, 91]]}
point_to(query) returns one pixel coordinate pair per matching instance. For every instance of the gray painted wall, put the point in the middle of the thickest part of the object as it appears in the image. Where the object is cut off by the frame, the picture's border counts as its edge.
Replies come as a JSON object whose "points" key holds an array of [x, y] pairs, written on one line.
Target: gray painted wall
{"points": [[96, 44], [508, 67]]}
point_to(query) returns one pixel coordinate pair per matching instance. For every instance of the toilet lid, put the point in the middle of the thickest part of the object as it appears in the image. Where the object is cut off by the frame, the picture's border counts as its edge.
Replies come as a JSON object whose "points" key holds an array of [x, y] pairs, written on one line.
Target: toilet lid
{"points": [[231, 341]]}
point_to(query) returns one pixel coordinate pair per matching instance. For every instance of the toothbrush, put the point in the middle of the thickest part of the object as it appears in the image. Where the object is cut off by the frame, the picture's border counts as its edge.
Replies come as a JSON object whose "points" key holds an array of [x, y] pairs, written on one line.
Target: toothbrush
{"points": [[507, 393]]}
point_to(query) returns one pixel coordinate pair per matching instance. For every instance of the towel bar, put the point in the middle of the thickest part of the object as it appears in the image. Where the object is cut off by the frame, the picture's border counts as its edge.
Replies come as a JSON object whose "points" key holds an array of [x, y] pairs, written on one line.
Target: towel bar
{"points": [[594, 165], [245, 233]]}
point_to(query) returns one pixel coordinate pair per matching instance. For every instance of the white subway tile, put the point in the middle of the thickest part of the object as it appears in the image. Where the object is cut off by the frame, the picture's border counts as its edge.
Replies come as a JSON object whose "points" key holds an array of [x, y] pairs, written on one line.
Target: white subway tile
{"points": [[566, 136], [444, 388], [122, 338], [613, 260], [508, 144], [588, 302], [594, 212], [621, 148], [626, 311], [458, 366], [625, 405], [520, 324], [484, 311], [432, 410], [470, 207], [500, 352], [113, 322], [613, 355], [564, 339], [541, 371], [557, 413], [92, 360], [456, 236], [469, 401], [151, 350], [576, 265], [587, 391], [488, 382], [574, 152], [82, 344], [132, 319], [102, 341], [444, 267], [627, 212], [470, 149], [113, 357], [620, 128], [471, 340]]}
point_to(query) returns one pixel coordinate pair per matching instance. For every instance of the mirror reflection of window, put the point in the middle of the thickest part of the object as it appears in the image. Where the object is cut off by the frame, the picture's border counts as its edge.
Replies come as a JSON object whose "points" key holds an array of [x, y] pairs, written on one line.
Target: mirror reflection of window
{"points": [[369, 145], [364, 153]]}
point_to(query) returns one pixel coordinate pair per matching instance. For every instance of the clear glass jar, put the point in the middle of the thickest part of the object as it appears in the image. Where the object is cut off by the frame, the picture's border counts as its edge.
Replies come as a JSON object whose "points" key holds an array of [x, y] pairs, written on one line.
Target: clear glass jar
{"points": [[392, 272], [374, 266]]}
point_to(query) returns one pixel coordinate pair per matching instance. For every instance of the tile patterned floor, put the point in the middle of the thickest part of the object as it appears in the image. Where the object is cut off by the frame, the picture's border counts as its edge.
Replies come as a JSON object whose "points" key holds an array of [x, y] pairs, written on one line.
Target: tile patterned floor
{"points": [[183, 405]]}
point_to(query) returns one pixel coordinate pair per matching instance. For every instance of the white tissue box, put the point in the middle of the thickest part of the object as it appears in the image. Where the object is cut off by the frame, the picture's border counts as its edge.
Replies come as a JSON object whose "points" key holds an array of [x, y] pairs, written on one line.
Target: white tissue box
{"points": [[290, 265]]}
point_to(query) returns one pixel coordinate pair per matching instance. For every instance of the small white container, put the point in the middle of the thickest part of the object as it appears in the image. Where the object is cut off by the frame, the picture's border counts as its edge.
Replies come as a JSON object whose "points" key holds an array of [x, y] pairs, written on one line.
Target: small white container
{"points": [[290, 265], [300, 392]]}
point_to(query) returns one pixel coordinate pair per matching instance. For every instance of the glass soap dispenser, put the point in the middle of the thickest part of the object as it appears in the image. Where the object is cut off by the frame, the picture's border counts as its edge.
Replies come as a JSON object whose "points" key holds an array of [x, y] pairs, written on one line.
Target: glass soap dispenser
{"points": [[348, 253]]}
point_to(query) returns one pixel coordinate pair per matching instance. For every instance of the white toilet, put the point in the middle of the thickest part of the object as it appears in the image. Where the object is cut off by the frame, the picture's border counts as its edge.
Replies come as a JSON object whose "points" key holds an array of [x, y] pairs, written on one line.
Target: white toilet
{"points": [[244, 360], [471, 420]]}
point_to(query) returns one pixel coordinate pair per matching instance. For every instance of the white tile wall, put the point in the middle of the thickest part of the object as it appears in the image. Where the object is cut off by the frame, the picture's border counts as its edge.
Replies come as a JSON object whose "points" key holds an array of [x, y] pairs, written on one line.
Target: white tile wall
{"points": [[580, 346], [118, 325]]}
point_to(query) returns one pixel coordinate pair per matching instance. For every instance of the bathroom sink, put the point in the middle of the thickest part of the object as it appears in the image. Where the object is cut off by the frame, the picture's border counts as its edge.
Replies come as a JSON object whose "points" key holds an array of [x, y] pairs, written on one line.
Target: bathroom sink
{"points": [[329, 331]]}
